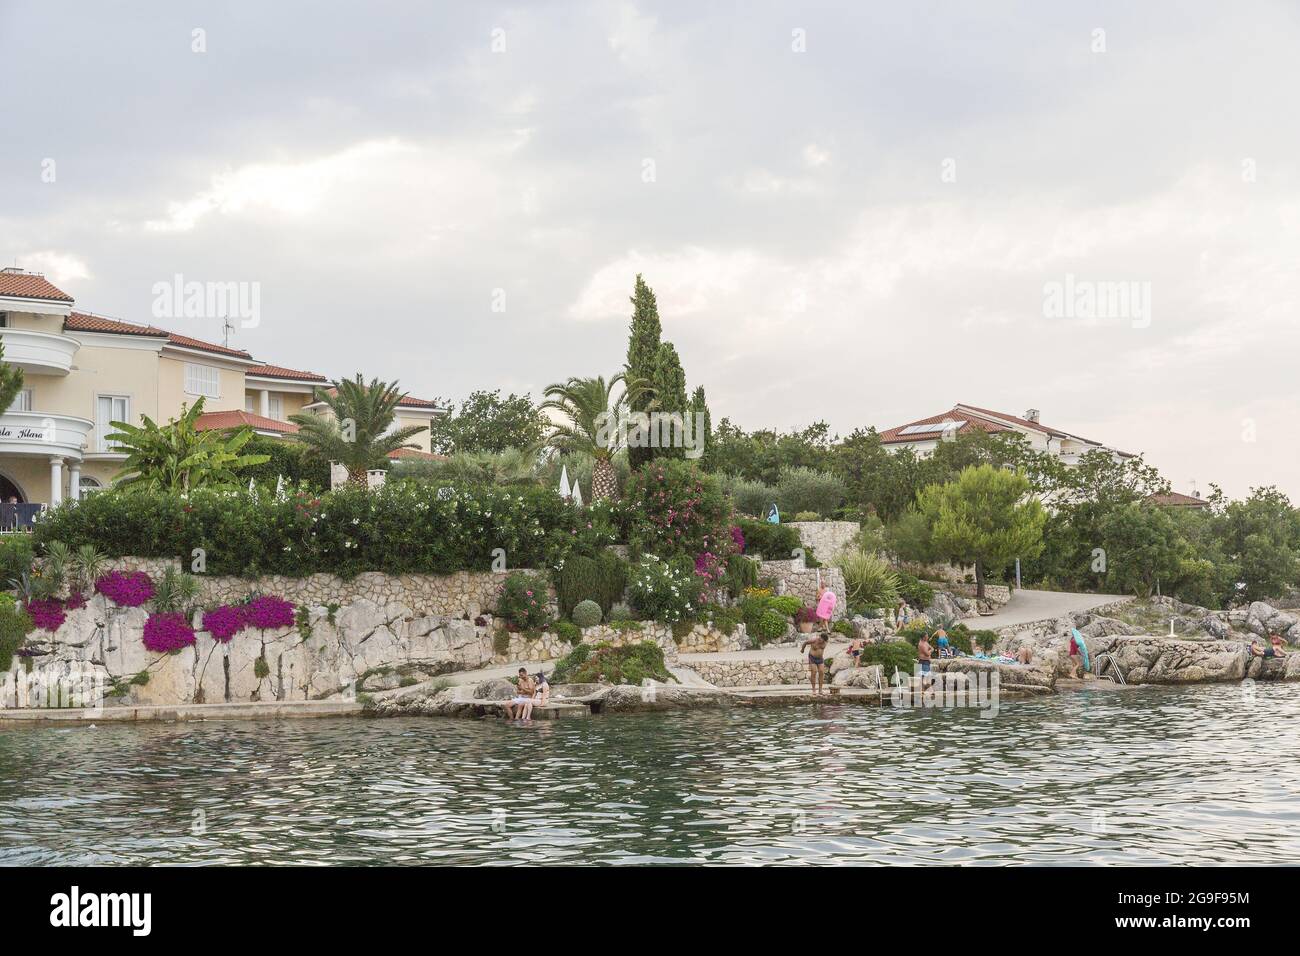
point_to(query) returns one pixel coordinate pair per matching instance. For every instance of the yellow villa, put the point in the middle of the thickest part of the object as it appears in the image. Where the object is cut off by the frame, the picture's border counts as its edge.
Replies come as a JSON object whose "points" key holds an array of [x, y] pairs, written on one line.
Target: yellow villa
{"points": [[83, 371]]}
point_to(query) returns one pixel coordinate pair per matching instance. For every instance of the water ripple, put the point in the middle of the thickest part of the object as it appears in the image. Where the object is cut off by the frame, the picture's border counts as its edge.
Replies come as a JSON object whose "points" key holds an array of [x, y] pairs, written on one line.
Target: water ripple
{"points": [[1194, 775]]}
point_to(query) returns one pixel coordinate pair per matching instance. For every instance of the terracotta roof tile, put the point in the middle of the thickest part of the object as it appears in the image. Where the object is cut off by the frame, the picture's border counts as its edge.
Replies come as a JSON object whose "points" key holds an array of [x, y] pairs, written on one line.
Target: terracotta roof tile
{"points": [[1179, 500], [969, 423], [235, 418], [29, 285], [277, 371], [84, 322]]}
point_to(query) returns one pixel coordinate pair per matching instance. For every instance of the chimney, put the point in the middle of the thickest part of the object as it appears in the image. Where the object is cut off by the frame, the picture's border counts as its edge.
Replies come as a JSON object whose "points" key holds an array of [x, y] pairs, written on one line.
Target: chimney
{"points": [[1032, 415]]}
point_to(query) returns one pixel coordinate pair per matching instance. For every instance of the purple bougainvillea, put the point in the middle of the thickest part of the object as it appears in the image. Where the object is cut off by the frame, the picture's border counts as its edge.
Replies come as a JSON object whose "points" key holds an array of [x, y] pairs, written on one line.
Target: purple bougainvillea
{"points": [[47, 613], [225, 622], [127, 589], [269, 612], [164, 633], [75, 600], [738, 538]]}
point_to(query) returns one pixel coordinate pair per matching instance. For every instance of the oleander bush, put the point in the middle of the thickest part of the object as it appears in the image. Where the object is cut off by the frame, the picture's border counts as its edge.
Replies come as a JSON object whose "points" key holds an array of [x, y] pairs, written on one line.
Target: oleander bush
{"points": [[665, 591], [404, 527], [522, 601], [672, 508]]}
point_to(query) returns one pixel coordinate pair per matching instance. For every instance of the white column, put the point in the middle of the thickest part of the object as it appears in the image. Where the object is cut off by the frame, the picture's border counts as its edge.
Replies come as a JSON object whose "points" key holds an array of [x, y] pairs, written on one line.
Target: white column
{"points": [[56, 481], [74, 480], [264, 397]]}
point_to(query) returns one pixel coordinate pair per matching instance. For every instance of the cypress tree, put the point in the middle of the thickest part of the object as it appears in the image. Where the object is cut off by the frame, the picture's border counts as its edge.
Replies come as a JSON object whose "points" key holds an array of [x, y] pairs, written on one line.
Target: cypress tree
{"points": [[670, 393], [642, 355], [700, 406]]}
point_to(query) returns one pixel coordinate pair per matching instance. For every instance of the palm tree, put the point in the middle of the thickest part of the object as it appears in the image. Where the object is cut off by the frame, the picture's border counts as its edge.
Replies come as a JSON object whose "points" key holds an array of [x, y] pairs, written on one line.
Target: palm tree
{"points": [[179, 457], [361, 434], [595, 423]]}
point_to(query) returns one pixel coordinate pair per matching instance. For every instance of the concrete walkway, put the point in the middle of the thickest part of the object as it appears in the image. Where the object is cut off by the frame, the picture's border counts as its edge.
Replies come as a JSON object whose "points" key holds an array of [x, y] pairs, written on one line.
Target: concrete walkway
{"points": [[1028, 606]]}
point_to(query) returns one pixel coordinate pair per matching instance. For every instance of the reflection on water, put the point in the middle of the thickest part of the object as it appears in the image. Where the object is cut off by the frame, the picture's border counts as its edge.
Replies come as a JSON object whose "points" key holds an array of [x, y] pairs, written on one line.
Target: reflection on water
{"points": [[1207, 774]]}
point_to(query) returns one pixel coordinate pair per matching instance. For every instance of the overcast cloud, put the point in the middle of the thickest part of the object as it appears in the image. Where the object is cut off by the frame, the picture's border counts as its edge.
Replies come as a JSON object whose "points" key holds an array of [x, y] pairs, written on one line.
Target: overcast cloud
{"points": [[380, 171]]}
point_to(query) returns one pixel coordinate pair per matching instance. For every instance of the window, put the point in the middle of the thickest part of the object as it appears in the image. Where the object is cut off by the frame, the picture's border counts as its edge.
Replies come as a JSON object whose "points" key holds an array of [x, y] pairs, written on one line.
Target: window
{"points": [[202, 380], [4, 320], [22, 401], [90, 485], [109, 409], [250, 402], [276, 408]]}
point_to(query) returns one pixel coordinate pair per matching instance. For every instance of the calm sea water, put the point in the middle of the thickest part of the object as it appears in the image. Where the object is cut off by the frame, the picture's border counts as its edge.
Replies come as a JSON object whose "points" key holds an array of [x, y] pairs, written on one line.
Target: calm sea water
{"points": [[1199, 775]]}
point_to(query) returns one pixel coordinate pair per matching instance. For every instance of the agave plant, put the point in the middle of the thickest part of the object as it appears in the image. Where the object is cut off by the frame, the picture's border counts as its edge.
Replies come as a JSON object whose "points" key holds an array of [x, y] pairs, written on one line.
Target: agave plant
{"points": [[176, 592], [178, 456], [596, 423], [360, 433], [88, 563], [869, 581]]}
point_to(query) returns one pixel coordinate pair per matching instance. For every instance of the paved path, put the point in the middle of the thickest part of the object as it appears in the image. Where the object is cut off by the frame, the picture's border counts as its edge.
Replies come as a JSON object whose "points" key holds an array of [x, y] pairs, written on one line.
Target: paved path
{"points": [[1027, 606]]}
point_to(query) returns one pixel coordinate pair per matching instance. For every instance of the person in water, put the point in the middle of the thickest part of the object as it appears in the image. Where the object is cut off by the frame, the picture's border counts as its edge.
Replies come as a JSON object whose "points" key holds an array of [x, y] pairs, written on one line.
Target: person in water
{"points": [[816, 660], [923, 653]]}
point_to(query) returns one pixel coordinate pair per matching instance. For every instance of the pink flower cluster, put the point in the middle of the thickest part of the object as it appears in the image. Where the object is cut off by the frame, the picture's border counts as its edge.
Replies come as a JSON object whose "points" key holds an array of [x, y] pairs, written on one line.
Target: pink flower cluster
{"points": [[709, 566], [164, 633], [47, 614], [226, 621], [738, 538], [269, 612], [126, 589]]}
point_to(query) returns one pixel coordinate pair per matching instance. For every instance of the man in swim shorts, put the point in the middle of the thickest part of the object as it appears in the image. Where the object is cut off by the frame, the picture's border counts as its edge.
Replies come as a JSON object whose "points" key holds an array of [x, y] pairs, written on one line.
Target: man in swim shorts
{"points": [[816, 660], [521, 705], [923, 653]]}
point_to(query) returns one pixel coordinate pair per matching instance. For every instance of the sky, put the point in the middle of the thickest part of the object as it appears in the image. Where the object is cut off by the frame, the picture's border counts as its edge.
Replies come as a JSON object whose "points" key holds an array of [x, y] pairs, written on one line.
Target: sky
{"points": [[861, 213]]}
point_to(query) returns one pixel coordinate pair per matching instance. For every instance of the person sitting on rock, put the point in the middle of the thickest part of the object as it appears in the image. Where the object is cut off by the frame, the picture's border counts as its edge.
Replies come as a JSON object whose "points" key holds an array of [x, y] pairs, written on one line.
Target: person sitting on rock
{"points": [[1277, 644], [1025, 654], [543, 692], [521, 705]]}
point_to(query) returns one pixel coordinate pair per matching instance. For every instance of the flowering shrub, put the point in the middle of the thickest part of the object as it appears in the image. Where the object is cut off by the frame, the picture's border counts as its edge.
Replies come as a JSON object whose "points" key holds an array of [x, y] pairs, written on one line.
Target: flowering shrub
{"points": [[47, 614], [75, 600], [522, 601], [164, 633], [408, 526], [224, 622], [806, 615], [678, 510], [126, 589], [269, 612], [665, 591], [738, 539], [709, 567]]}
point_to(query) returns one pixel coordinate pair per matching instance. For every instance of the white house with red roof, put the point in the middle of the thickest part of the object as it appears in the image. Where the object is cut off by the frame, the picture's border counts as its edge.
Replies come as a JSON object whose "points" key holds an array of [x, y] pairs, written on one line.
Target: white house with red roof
{"points": [[924, 434], [83, 371]]}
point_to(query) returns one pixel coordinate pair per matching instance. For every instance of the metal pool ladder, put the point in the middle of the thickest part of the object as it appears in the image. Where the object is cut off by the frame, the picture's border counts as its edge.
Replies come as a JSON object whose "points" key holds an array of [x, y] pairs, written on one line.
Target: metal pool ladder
{"points": [[1109, 658]]}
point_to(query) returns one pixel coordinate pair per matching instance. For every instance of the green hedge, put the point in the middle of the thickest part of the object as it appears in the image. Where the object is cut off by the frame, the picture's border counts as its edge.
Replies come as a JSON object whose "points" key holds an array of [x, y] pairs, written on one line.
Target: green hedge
{"points": [[600, 578], [775, 542], [15, 558], [890, 654], [405, 527]]}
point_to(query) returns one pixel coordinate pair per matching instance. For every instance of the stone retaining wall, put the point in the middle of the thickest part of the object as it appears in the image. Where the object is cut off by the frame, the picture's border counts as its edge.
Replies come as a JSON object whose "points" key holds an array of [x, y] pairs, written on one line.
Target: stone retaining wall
{"points": [[461, 594], [701, 639], [795, 579], [828, 539], [750, 673]]}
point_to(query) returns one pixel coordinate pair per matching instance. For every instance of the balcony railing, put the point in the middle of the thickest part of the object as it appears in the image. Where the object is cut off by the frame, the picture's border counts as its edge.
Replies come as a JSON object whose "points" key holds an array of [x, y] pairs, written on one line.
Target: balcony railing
{"points": [[44, 433], [39, 353]]}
